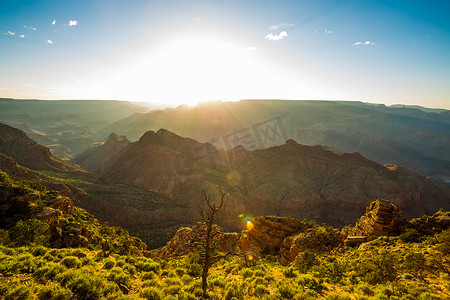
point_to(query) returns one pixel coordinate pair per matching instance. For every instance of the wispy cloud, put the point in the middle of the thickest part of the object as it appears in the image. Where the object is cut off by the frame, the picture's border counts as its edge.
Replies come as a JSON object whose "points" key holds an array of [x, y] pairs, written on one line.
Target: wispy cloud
{"points": [[9, 33], [22, 35], [30, 28], [277, 26], [364, 43], [329, 31], [54, 22], [276, 37], [73, 23], [49, 42]]}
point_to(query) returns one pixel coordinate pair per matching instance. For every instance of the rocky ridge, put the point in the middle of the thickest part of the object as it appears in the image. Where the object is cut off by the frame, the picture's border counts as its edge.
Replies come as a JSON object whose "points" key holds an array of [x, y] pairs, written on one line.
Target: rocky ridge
{"points": [[285, 238], [18, 145], [289, 180]]}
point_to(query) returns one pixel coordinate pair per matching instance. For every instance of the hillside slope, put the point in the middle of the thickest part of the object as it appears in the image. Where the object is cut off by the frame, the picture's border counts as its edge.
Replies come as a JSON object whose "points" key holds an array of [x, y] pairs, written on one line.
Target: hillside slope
{"points": [[18, 145], [413, 137], [288, 180]]}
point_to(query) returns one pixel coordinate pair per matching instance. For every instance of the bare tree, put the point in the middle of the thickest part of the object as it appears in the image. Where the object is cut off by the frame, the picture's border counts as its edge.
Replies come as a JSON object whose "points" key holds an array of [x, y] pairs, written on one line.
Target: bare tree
{"points": [[208, 241]]}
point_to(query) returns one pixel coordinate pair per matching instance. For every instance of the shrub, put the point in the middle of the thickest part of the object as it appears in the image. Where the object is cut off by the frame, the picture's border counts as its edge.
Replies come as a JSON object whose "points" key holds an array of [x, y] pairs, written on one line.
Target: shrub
{"points": [[232, 290], [119, 277], [86, 287], [28, 232], [411, 235], [259, 290], [286, 289], [415, 262], [151, 282], [365, 289], [376, 268], [20, 292], [289, 272], [151, 293], [109, 263], [186, 278], [305, 261], [148, 275], [71, 262], [194, 269], [54, 292], [246, 273], [218, 281], [180, 271], [39, 251]]}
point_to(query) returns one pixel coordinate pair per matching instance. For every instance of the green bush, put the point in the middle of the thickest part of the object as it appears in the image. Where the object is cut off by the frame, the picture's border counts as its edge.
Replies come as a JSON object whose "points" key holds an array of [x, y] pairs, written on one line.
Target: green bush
{"points": [[109, 263], [20, 292], [71, 262], [86, 287], [286, 289], [232, 290], [246, 273], [148, 275], [289, 272], [411, 235], [29, 232], [54, 292], [194, 270], [151, 293], [305, 261], [120, 278]]}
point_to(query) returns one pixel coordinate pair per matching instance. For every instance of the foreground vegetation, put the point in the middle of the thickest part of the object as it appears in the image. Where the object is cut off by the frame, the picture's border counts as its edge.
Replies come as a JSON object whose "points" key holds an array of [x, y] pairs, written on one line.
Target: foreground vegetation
{"points": [[104, 262], [385, 268]]}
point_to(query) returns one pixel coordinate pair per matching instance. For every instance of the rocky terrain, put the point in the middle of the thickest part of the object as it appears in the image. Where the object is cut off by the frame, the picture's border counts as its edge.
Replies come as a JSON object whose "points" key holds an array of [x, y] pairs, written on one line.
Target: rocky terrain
{"points": [[288, 180], [413, 137], [19, 146], [152, 186], [286, 238]]}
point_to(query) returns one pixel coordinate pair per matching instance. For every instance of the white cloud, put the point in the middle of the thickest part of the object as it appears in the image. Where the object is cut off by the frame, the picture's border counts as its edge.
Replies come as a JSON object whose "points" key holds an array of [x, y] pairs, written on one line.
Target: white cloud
{"points": [[30, 28], [328, 31], [73, 23], [49, 42], [276, 37], [276, 26], [22, 35], [364, 43], [54, 22], [9, 33]]}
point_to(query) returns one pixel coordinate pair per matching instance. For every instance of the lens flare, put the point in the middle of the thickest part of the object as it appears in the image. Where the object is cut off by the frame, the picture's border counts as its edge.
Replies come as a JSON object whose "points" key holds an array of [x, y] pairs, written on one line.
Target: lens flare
{"points": [[249, 224]]}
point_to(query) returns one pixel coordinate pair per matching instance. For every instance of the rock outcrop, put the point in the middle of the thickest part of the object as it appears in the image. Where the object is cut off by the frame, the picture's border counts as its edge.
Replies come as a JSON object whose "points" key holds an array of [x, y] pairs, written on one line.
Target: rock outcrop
{"points": [[285, 238], [18, 145], [268, 234], [93, 158], [186, 239], [382, 218], [431, 225]]}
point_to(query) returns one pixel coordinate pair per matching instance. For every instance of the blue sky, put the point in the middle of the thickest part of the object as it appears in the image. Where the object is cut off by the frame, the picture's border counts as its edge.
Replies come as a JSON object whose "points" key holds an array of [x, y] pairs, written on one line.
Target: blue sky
{"points": [[188, 51]]}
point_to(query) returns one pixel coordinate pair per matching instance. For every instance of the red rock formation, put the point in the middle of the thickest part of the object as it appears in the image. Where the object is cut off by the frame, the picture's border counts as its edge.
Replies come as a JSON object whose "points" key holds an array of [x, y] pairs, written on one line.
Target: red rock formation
{"points": [[93, 158], [186, 239], [16, 144], [382, 218]]}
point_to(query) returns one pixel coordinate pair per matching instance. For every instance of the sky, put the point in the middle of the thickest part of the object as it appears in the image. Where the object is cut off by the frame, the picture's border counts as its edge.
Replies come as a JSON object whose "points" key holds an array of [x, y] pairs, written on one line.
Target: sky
{"points": [[185, 52]]}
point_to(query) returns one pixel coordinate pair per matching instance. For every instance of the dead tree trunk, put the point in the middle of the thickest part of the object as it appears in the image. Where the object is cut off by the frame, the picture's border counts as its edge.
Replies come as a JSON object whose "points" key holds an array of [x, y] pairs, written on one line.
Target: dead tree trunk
{"points": [[207, 241]]}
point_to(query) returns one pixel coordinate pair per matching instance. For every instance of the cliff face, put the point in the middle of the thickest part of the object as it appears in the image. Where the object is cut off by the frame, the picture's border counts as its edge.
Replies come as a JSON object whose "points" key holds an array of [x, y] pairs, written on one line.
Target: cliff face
{"points": [[93, 158], [16, 144], [382, 218], [289, 180]]}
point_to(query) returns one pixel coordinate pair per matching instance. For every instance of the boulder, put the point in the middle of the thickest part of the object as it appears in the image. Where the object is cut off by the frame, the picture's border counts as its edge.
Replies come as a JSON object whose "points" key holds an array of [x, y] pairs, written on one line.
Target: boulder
{"points": [[382, 218]]}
